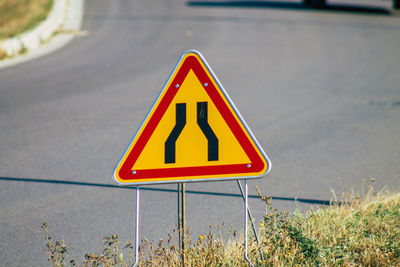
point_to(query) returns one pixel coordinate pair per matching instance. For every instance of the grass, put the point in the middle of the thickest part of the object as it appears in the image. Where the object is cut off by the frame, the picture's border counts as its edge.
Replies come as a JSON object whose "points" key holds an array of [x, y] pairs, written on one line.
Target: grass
{"points": [[18, 16], [357, 231], [3, 54]]}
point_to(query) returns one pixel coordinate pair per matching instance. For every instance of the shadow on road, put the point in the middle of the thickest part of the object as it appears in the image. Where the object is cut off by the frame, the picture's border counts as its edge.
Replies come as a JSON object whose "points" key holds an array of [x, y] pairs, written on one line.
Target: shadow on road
{"points": [[146, 188], [291, 6]]}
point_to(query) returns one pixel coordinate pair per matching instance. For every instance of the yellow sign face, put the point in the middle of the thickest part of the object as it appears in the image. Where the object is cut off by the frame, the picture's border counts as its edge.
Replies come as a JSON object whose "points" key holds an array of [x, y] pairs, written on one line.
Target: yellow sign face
{"points": [[192, 133]]}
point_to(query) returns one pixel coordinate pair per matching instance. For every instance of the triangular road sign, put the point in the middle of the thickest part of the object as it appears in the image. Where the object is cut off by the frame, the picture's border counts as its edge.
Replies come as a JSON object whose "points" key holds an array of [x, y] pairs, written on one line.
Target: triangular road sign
{"points": [[193, 132]]}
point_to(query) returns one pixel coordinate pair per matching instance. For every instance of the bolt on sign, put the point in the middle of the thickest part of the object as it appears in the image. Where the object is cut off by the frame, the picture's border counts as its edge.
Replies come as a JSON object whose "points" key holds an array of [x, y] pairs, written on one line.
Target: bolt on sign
{"points": [[193, 132]]}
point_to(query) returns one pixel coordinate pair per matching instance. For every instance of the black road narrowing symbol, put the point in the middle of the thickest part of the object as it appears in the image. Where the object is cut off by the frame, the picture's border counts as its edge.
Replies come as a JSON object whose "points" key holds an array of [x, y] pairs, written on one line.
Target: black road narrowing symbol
{"points": [[202, 115], [173, 136], [202, 121]]}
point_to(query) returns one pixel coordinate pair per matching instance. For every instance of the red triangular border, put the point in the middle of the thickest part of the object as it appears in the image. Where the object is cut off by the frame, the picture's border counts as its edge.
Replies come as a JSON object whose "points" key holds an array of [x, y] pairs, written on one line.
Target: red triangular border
{"points": [[191, 63]]}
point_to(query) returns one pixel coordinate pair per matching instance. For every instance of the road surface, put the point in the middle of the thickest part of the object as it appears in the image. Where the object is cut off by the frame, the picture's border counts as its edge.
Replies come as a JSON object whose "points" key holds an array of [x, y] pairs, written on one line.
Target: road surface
{"points": [[319, 89]]}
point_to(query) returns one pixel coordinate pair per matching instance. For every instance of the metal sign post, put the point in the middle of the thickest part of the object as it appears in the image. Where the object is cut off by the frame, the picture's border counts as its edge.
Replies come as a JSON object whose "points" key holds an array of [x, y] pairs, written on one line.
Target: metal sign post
{"points": [[179, 194], [137, 227], [246, 207], [181, 219], [252, 221]]}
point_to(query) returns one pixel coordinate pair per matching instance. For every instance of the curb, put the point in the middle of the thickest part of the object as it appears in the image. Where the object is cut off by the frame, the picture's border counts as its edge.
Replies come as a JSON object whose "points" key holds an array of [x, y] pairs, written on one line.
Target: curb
{"points": [[65, 17]]}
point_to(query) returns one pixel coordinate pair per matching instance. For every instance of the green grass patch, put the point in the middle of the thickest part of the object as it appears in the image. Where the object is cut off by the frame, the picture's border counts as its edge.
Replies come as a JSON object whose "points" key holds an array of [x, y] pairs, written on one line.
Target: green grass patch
{"points": [[18, 16], [358, 231]]}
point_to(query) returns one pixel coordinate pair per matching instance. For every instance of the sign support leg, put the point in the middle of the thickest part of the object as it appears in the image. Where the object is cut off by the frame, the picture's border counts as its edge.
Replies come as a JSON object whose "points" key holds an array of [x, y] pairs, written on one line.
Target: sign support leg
{"points": [[252, 222], [183, 216], [181, 219], [179, 215], [245, 222], [137, 227]]}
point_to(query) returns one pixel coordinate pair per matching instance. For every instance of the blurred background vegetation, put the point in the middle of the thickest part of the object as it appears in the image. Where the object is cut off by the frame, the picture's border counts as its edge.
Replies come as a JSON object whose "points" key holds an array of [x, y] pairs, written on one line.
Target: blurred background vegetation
{"points": [[18, 16]]}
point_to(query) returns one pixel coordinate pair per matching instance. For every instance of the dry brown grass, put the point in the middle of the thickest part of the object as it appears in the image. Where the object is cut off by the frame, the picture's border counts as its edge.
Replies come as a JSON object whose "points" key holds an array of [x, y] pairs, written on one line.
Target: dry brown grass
{"points": [[355, 231], [3, 54], [18, 16]]}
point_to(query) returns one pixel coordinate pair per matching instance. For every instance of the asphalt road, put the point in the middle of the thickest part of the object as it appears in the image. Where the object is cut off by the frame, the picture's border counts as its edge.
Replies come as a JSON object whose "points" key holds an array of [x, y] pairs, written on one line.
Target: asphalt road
{"points": [[319, 89]]}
